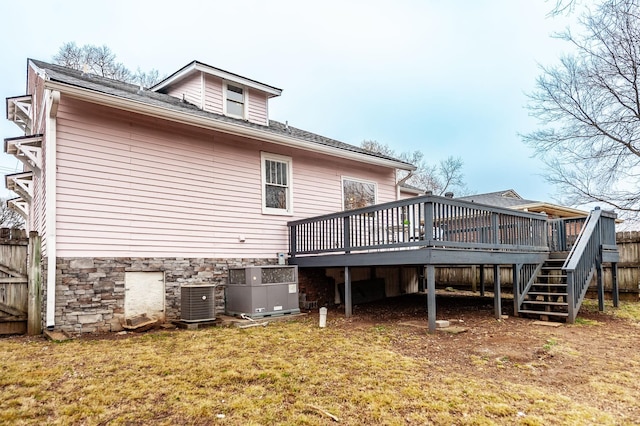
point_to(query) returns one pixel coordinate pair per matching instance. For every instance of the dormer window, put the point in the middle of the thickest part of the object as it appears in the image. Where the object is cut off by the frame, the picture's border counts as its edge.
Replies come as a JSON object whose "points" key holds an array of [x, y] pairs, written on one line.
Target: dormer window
{"points": [[235, 103]]}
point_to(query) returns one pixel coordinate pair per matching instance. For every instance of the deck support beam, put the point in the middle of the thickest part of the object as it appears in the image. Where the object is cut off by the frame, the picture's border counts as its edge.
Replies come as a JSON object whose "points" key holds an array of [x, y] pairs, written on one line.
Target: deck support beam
{"points": [[516, 288], [600, 272], [481, 280], [497, 306], [348, 308], [614, 284], [431, 297]]}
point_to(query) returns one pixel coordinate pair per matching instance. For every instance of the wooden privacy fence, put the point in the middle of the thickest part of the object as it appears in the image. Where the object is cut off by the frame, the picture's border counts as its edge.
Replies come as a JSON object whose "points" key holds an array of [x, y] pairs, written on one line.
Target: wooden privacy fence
{"points": [[628, 269], [13, 281], [629, 265], [20, 282]]}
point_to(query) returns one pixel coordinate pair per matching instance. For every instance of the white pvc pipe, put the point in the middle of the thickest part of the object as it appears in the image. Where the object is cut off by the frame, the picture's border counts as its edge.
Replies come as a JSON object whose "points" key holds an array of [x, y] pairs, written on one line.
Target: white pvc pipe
{"points": [[323, 317]]}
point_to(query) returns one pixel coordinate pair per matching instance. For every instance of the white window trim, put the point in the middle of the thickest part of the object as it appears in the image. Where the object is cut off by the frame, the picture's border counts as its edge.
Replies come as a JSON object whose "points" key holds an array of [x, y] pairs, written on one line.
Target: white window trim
{"points": [[284, 159], [374, 183], [245, 95]]}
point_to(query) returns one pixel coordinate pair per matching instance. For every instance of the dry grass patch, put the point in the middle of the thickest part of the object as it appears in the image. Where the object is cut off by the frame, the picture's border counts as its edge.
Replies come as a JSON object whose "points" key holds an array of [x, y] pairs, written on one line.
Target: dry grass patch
{"points": [[294, 373]]}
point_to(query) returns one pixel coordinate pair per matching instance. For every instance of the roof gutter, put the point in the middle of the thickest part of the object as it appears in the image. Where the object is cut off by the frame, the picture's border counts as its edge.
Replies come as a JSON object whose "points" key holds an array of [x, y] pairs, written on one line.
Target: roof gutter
{"points": [[207, 123]]}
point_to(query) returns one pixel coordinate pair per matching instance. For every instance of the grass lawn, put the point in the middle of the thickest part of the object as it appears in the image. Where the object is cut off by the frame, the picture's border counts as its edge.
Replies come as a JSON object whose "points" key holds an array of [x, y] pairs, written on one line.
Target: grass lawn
{"points": [[357, 371]]}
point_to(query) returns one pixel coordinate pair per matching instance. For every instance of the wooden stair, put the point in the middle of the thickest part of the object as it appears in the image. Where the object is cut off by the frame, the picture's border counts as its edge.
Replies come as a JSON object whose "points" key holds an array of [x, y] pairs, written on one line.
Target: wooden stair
{"points": [[547, 296]]}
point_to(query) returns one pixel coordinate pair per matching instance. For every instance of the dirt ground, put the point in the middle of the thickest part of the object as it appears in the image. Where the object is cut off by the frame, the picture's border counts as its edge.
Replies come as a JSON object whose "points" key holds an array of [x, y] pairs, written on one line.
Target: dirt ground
{"points": [[594, 362], [599, 350]]}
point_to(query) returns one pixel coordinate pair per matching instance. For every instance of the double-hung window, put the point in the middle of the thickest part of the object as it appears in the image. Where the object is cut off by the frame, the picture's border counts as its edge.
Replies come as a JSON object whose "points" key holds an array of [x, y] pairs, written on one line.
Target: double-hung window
{"points": [[276, 184], [357, 193], [235, 101]]}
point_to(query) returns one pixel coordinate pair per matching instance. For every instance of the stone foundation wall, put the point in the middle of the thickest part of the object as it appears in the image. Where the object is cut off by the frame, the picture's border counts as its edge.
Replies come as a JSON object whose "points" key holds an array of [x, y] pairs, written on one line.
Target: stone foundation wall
{"points": [[90, 291]]}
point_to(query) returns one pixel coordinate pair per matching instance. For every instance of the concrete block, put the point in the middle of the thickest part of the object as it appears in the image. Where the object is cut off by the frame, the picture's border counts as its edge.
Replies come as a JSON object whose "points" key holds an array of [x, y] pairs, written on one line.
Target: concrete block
{"points": [[442, 324]]}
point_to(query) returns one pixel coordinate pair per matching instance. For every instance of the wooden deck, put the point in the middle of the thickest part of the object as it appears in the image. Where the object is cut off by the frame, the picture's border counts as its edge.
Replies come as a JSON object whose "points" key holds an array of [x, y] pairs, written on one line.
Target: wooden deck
{"points": [[432, 231]]}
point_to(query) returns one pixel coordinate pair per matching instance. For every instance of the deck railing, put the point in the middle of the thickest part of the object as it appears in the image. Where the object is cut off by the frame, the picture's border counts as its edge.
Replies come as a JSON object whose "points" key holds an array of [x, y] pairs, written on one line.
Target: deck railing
{"points": [[597, 234], [427, 221], [563, 233]]}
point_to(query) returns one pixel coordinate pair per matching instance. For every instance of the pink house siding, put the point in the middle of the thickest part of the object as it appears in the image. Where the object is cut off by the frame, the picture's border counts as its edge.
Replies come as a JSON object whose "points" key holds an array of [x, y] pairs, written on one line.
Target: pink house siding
{"points": [[212, 94], [257, 107], [189, 87], [129, 186]]}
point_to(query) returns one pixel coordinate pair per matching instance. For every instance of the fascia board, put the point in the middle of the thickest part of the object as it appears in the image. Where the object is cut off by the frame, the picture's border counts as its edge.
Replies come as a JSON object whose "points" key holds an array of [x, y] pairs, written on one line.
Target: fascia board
{"points": [[553, 207], [206, 123], [238, 79]]}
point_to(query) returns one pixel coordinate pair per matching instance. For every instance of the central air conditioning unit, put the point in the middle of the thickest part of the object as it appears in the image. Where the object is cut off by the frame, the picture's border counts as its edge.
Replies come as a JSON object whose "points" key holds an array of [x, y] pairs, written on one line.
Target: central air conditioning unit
{"points": [[262, 291], [197, 302]]}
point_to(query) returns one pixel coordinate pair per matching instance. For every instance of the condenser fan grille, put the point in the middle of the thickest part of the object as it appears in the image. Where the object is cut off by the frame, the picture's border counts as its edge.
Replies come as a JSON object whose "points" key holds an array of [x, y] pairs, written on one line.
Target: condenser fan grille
{"points": [[197, 303]]}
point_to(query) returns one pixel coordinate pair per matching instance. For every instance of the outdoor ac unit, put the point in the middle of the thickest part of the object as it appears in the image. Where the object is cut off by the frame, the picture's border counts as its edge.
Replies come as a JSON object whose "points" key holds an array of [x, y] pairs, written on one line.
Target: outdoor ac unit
{"points": [[262, 291], [197, 302]]}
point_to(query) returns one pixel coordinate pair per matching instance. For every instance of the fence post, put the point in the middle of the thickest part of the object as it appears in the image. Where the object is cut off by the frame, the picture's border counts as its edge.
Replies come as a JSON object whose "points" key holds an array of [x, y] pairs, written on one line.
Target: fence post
{"points": [[34, 305]]}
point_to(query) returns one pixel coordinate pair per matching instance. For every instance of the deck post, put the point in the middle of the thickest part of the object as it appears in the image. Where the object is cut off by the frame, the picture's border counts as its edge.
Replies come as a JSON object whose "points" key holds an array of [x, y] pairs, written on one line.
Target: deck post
{"points": [[497, 307], [428, 223], [431, 297], [481, 280], [516, 289], [346, 235], [600, 271], [474, 285], [614, 284], [571, 297], [347, 292], [293, 241]]}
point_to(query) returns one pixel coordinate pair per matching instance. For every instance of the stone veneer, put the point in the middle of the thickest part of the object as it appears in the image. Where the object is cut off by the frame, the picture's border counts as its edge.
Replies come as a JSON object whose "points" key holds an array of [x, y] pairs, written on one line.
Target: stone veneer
{"points": [[90, 291]]}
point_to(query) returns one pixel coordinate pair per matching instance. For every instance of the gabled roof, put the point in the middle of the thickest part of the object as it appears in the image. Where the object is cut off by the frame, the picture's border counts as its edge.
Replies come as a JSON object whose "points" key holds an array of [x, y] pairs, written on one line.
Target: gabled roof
{"points": [[197, 66], [510, 199], [505, 198], [410, 189], [130, 97]]}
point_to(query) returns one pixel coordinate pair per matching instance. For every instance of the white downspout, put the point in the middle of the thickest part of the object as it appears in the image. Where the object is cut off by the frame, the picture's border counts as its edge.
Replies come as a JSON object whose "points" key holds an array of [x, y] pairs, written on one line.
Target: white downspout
{"points": [[50, 213], [401, 181]]}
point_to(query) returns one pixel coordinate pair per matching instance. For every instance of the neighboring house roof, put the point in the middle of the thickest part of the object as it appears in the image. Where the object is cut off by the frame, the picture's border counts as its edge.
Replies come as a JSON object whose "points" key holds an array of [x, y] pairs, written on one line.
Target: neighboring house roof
{"points": [[101, 90], [410, 189], [510, 199]]}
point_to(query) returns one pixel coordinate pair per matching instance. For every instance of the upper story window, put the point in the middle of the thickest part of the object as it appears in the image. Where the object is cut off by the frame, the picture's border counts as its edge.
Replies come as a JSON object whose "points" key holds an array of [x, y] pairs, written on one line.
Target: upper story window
{"points": [[357, 193], [276, 184], [235, 101]]}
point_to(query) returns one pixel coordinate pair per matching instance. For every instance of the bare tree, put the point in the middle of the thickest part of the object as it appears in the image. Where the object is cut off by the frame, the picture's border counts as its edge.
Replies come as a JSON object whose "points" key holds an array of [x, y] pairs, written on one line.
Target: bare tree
{"points": [[588, 107], [100, 60], [439, 178], [9, 218]]}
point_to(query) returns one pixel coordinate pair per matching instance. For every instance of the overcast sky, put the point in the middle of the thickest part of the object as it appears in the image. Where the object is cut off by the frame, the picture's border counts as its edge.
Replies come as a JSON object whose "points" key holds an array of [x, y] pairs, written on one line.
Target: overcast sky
{"points": [[444, 77]]}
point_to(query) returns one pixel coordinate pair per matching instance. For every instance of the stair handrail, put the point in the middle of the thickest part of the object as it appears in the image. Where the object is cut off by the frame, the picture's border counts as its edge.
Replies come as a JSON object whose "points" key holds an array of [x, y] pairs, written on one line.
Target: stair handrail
{"points": [[581, 262]]}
